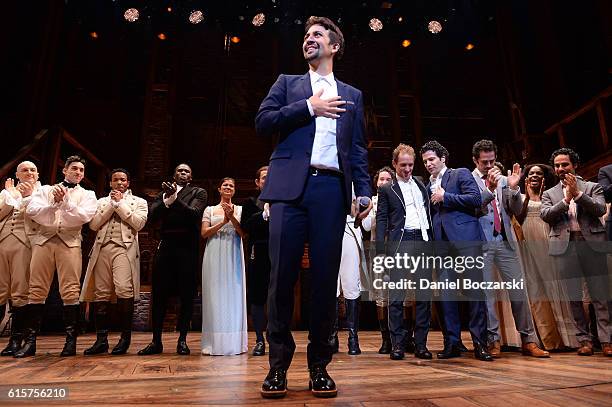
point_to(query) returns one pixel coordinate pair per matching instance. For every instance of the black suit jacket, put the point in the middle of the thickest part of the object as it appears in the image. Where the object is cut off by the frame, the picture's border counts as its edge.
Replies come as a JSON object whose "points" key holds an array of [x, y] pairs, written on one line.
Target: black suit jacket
{"points": [[604, 178], [391, 214], [253, 223], [182, 220]]}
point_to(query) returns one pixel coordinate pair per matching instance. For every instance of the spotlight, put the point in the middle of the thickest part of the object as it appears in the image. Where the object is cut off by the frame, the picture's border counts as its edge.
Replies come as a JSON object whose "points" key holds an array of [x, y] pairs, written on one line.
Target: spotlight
{"points": [[406, 43], [235, 40], [131, 15], [259, 20], [469, 46], [161, 36], [169, 9], [400, 19], [434, 27], [93, 35], [375, 24], [196, 17]]}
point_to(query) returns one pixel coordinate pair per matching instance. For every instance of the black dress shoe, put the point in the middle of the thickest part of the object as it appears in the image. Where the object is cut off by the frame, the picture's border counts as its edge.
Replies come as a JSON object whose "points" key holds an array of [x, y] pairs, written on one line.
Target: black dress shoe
{"points": [[259, 349], [154, 348], [182, 348], [397, 353], [481, 353], [409, 346], [462, 347], [422, 352], [275, 384], [321, 384], [449, 351]]}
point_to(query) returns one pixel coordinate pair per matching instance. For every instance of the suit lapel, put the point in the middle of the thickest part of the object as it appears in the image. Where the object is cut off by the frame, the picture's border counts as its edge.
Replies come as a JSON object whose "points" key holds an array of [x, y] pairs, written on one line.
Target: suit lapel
{"points": [[342, 91], [445, 178], [398, 191], [184, 192], [306, 86]]}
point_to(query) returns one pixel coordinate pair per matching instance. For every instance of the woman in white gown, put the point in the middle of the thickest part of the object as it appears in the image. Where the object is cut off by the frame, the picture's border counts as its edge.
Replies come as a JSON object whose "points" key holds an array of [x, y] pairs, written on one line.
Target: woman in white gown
{"points": [[224, 315]]}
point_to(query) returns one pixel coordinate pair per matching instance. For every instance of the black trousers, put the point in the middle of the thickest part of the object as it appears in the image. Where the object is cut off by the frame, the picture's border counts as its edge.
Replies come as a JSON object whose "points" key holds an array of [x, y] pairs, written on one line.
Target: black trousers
{"points": [[176, 265], [317, 217]]}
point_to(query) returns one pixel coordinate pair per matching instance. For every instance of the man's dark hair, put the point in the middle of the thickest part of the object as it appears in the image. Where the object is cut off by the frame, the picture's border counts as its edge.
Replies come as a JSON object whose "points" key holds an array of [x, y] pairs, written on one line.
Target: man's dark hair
{"points": [[483, 145], [384, 169], [123, 170], [436, 147], [573, 156], [335, 35], [75, 159], [260, 170]]}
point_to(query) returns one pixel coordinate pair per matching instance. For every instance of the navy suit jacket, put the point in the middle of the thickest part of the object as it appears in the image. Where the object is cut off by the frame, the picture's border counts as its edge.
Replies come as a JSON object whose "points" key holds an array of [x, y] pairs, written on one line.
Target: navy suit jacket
{"points": [[391, 214], [457, 213], [284, 111]]}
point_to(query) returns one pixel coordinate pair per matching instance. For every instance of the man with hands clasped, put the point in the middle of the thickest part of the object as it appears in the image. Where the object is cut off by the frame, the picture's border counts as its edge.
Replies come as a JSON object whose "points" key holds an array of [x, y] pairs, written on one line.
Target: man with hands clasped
{"points": [[58, 211], [178, 209], [573, 209], [113, 271]]}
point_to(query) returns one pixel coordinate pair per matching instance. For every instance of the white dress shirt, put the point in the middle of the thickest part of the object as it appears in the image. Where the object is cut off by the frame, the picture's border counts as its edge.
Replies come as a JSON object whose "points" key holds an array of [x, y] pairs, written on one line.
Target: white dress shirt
{"points": [[324, 149], [77, 208], [437, 181], [416, 218]]}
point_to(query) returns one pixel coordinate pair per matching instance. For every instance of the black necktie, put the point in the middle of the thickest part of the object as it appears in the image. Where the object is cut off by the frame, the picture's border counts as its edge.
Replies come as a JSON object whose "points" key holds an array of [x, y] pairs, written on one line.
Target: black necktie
{"points": [[68, 184]]}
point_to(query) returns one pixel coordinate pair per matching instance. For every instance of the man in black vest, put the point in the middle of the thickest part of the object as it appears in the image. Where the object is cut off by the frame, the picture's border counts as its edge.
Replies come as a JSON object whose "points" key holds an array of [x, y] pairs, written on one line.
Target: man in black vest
{"points": [[179, 208]]}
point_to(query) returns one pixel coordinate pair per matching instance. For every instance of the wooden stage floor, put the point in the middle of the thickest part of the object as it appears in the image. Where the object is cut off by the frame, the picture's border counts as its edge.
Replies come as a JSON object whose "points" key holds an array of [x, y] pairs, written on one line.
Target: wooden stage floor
{"points": [[369, 379]]}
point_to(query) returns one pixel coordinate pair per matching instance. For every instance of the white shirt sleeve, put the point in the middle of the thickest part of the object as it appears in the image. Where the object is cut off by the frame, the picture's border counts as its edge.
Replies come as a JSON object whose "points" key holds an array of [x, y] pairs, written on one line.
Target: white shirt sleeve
{"points": [[41, 207], [169, 200], [77, 214]]}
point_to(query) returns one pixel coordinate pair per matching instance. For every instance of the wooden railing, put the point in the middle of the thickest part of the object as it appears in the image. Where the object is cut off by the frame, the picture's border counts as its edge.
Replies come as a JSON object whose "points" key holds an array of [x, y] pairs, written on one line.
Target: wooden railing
{"points": [[586, 130], [48, 149]]}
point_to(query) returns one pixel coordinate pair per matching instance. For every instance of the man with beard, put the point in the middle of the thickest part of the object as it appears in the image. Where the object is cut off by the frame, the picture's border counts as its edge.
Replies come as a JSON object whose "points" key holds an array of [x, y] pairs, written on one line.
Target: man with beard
{"points": [[114, 263], [15, 249], [321, 152], [573, 209], [178, 209], [255, 224], [59, 211]]}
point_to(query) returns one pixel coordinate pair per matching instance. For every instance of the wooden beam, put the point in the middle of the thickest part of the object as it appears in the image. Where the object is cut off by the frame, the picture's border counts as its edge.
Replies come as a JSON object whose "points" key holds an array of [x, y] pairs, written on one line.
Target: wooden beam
{"points": [[23, 153], [585, 108], [561, 136], [603, 130]]}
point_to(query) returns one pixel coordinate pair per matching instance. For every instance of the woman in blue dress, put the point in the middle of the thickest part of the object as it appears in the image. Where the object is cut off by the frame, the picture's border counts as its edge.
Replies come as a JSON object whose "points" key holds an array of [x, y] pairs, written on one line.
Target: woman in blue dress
{"points": [[224, 315]]}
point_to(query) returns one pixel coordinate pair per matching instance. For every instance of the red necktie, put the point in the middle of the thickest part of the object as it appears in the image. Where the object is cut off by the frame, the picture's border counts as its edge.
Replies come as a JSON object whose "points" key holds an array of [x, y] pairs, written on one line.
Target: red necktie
{"points": [[496, 218]]}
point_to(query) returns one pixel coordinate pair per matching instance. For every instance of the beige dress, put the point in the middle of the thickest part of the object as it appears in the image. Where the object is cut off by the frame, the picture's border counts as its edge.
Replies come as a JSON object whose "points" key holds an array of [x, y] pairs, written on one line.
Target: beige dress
{"points": [[549, 300]]}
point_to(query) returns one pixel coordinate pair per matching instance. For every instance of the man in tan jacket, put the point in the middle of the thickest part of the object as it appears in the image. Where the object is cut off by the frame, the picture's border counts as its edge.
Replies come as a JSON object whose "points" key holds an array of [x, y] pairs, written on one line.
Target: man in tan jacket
{"points": [[59, 211], [15, 249], [114, 263]]}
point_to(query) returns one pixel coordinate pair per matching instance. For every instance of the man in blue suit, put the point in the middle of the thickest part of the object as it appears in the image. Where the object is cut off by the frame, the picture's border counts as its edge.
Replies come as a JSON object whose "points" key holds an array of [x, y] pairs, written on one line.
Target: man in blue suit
{"points": [[455, 198], [321, 152]]}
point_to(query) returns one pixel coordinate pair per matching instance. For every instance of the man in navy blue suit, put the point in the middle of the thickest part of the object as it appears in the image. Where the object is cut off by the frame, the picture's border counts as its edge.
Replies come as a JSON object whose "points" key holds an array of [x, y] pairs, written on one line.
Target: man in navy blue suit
{"points": [[321, 152], [455, 198]]}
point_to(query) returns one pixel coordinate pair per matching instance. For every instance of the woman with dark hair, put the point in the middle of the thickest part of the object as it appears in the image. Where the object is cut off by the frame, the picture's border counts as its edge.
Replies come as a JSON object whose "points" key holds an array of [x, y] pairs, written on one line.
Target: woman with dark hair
{"points": [[224, 315], [549, 300]]}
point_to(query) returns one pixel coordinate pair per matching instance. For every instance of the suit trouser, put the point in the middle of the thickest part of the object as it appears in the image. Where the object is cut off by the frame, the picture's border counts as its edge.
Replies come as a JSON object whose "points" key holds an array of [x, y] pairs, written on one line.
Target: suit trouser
{"points": [[581, 263], [112, 271], [399, 333], [474, 297], [14, 271], [318, 217], [501, 254], [53, 255], [175, 268]]}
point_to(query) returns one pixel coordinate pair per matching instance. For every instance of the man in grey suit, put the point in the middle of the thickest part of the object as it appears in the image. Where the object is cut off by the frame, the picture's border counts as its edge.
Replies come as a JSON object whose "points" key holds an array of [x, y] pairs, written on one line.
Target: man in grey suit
{"points": [[578, 244], [604, 178], [501, 198]]}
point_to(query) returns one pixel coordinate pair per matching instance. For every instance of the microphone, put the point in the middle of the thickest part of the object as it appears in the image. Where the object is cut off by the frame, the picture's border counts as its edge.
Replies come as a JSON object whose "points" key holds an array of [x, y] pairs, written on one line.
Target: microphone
{"points": [[363, 202]]}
